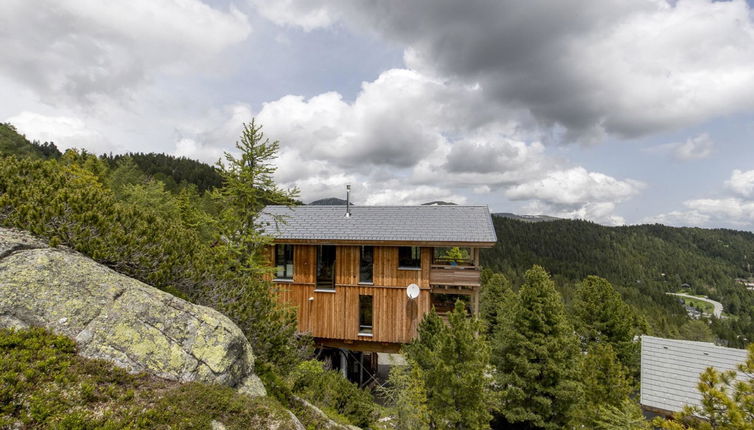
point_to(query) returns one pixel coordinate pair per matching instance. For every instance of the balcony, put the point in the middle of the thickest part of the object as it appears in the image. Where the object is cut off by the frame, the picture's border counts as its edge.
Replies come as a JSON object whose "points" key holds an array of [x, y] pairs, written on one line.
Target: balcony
{"points": [[454, 275]]}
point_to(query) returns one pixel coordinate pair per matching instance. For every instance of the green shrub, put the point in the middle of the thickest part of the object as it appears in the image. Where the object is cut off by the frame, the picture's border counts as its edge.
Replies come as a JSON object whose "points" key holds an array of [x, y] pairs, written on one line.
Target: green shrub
{"points": [[337, 396], [44, 384], [68, 202]]}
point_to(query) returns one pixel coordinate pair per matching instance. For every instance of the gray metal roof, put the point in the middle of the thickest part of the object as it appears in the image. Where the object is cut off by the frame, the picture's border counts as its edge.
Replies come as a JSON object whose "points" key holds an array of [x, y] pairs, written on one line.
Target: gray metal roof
{"points": [[670, 370], [448, 223]]}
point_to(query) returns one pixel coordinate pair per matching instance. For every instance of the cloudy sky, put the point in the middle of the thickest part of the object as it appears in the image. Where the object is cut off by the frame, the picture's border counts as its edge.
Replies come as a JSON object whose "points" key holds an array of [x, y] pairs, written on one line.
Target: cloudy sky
{"points": [[621, 111]]}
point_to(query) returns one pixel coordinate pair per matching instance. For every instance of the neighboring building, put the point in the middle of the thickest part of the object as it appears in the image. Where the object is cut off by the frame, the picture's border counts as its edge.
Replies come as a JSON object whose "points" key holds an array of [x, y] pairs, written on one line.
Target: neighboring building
{"points": [[670, 371], [347, 270]]}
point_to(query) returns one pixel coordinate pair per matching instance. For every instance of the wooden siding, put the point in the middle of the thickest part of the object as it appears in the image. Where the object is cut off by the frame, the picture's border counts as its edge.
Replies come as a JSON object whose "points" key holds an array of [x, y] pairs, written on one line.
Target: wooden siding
{"points": [[347, 261], [304, 264], [387, 273], [335, 315]]}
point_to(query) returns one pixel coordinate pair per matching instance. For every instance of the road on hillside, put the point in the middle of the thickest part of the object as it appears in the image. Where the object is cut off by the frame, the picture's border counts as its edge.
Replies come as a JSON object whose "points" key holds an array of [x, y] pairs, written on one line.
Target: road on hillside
{"points": [[718, 312]]}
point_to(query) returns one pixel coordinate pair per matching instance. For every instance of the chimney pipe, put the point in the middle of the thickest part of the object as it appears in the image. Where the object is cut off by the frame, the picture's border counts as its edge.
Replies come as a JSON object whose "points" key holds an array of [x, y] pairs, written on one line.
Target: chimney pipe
{"points": [[348, 201]]}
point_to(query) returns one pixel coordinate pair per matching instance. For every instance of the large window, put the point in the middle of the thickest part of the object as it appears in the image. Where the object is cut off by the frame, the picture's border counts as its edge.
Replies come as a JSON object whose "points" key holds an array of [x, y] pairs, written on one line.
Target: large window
{"points": [[365, 315], [366, 265], [284, 261], [326, 267], [409, 257], [453, 256]]}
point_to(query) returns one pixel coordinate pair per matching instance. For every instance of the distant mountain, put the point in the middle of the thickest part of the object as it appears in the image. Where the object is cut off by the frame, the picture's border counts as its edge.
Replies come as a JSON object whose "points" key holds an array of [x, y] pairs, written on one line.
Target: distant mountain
{"points": [[527, 218], [439, 203], [330, 201]]}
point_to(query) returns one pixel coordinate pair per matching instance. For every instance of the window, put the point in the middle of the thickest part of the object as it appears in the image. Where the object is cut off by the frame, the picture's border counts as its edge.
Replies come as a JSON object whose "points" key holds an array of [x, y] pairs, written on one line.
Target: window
{"points": [[284, 261], [409, 257], [366, 264], [454, 256], [326, 267], [365, 315]]}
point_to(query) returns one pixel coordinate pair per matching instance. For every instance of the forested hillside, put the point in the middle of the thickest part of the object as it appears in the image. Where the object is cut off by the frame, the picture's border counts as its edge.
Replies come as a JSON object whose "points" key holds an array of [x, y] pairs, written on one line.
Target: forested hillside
{"points": [[172, 171], [644, 262], [14, 143]]}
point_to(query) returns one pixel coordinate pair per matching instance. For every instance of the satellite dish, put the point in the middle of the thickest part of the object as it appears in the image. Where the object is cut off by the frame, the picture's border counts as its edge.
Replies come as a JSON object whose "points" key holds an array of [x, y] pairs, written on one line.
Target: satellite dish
{"points": [[412, 291]]}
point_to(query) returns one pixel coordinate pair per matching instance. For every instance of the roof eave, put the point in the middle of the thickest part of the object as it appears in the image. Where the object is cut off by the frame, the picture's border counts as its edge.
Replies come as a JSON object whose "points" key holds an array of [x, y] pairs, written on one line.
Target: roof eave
{"points": [[468, 244]]}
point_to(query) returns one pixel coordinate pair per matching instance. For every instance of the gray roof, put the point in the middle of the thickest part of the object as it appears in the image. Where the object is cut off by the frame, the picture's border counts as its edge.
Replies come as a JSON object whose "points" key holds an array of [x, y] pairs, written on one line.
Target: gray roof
{"points": [[670, 370], [451, 223]]}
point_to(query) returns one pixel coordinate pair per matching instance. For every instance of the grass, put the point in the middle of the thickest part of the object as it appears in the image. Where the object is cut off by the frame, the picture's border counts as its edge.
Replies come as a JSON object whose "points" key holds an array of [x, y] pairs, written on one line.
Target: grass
{"points": [[44, 384], [705, 307]]}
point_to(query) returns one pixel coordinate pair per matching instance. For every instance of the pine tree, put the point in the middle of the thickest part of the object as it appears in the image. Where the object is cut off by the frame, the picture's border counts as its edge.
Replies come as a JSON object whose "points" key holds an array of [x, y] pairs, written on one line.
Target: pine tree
{"points": [[408, 397], [601, 316], [605, 382], [454, 362], [627, 416], [496, 298], [536, 354]]}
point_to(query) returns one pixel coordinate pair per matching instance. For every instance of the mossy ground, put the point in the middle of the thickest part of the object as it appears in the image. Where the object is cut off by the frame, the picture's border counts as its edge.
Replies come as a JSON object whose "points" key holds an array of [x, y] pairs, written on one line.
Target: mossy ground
{"points": [[44, 384]]}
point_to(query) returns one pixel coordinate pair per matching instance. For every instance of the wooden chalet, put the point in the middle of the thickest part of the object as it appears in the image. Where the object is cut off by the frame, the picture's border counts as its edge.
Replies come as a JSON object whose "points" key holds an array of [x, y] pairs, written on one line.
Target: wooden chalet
{"points": [[347, 269]]}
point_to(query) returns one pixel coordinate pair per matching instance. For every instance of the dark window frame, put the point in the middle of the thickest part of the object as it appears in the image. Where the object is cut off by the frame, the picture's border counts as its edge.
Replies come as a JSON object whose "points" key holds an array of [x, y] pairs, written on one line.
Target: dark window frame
{"points": [[325, 284], [366, 265], [283, 260], [366, 317], [412, 261]]}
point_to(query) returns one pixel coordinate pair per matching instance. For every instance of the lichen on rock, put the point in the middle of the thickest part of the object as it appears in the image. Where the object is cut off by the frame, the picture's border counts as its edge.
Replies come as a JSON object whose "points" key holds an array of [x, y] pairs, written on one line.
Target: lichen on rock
{"points": [[120, 319]]}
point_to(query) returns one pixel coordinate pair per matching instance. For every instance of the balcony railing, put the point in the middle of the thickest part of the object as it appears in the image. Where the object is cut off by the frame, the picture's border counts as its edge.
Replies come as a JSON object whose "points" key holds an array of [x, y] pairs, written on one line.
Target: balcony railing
{"points": [[464, 276]]}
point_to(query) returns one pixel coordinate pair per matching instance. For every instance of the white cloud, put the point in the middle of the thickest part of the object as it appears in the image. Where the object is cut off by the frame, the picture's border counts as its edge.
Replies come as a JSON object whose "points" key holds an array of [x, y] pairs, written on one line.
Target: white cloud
{"points": [[741, 183], [621, 67], [733, 210], [308, 16], [208, 138], [84, 51], [65, 132], [395, 120], [695, 148], [190, 148], [726, 210], [679, 218], [575, 186], [408, 139], [412, 196]]}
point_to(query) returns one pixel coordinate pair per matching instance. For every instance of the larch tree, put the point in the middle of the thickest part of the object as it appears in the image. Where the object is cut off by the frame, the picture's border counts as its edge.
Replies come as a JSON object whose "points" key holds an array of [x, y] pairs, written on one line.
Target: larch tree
{"points": [[536, 354], [249, 186]]}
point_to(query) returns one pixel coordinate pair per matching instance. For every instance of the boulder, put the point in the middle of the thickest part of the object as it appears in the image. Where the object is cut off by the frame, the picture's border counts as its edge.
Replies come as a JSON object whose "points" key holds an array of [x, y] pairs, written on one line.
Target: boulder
{"points": [[119, 319]]}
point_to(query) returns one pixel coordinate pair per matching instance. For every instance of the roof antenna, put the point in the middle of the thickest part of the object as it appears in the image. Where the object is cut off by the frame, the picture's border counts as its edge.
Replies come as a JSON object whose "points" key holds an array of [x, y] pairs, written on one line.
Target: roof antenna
{"points": [[348, 201]]}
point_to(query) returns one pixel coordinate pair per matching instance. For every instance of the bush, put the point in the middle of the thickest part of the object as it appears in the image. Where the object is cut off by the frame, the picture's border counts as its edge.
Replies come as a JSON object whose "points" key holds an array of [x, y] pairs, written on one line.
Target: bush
{"points": [[44, 384], [68, 202], [337, 396]]}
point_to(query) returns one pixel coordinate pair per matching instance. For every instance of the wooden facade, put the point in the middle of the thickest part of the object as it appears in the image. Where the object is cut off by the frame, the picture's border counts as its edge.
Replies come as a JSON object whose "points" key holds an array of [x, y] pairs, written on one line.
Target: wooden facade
{"points": [[331, 316]]}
